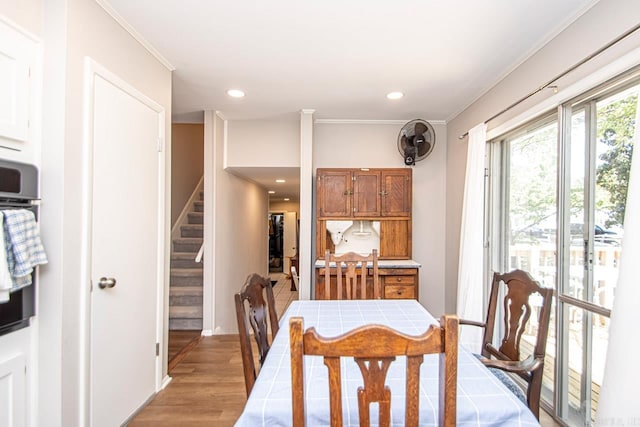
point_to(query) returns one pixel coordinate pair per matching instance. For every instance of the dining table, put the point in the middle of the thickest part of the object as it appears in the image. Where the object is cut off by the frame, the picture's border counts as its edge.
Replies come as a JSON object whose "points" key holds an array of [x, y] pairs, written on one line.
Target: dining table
{"points": [[482, 400]]}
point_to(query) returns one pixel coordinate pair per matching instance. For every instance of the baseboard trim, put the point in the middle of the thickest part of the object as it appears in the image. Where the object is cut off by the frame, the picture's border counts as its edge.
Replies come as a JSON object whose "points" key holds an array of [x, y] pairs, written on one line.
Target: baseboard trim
{"points": [[207, 333], [165, 382]]}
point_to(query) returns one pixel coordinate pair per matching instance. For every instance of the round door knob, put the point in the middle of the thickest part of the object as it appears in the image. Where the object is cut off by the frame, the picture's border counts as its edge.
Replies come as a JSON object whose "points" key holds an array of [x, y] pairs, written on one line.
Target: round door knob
{"points": [[106, 282]]}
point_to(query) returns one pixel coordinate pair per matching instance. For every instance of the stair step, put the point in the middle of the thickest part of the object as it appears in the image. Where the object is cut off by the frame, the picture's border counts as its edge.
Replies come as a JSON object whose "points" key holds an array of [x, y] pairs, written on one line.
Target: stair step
{"points": [[185, 312], [186, 277], [195, 217], [185, 260], [185, 296], [187, 244], [192, 230], [198, 206], [185, 324]]}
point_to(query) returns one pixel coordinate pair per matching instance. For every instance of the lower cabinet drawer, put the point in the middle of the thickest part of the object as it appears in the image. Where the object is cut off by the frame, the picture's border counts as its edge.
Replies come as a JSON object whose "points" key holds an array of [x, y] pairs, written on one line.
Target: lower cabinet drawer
{"points": [[399, 280], [399, 291]]}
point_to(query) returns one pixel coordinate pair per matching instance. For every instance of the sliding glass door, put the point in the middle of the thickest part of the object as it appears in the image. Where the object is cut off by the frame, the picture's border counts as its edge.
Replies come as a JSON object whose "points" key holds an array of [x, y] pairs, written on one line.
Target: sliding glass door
{"points": [[526, 205], [556, 203], [596, 157]]}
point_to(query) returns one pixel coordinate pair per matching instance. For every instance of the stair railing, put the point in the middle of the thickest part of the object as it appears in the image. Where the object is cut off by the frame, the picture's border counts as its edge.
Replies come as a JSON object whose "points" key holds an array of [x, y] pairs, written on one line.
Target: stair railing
{"points": [[200, 252]]}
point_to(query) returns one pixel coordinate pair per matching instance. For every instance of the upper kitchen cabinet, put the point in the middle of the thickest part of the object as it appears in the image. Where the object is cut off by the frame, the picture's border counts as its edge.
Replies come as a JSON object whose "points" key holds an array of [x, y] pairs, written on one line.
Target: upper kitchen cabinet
{"points": [[396, 194], [364, 193], [334, 193], [17, 56]]}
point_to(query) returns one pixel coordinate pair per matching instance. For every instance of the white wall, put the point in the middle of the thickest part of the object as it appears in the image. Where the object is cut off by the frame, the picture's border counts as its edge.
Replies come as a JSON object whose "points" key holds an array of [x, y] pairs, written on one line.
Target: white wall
{"points": [[356, 145], [187, 158], [285, 207], [601, 24], [24, 13], [240, 222], [268, 143], [75, 29]]}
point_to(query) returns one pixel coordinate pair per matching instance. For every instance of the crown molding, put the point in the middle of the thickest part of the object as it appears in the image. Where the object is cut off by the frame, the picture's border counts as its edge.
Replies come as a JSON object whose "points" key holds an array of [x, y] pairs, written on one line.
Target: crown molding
{"points": [[5, 20], [373, 122], [135, 34]]}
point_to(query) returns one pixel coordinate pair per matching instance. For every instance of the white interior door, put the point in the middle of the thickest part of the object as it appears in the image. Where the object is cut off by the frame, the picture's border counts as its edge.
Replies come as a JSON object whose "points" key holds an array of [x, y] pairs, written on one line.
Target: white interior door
{"points": [[289, 239], [125, 252]]}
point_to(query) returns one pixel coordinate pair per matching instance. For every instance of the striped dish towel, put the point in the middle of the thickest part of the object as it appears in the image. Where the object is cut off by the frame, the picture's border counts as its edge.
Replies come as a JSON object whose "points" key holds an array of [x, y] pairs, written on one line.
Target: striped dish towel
{"points": [[6, 282], [23, 246]]}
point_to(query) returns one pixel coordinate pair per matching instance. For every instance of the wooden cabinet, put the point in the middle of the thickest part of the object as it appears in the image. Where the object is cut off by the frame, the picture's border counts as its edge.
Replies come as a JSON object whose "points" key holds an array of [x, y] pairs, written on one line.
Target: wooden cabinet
{"points": [[363, 193], [382, 195]]}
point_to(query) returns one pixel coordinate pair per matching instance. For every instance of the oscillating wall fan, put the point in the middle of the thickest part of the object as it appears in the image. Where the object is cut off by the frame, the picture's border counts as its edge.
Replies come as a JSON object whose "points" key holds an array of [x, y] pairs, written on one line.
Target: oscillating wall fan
{"points": [[416, 141]]}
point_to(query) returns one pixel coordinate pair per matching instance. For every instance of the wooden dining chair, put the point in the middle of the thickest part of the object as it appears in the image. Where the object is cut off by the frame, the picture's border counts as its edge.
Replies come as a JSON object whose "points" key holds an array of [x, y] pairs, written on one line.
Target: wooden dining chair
{"points": [[252, 309], [355, 284], [374, 348], [520, 286]]}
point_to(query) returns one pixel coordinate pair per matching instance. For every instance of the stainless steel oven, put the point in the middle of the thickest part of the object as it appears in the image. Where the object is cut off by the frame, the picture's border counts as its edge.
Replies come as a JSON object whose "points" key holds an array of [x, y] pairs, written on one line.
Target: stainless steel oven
{"points": [[18, 190]]}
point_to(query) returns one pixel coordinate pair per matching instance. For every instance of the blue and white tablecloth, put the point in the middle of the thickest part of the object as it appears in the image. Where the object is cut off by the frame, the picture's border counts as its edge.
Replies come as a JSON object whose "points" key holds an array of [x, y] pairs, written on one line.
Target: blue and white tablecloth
{"points": [[482, 400]]}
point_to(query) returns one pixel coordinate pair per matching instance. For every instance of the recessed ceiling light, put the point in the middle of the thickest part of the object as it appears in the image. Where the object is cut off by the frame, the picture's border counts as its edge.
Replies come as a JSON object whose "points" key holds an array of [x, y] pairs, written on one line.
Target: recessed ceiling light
{"points": [[271, 192], [235, 93], [286, 199], [280, 181], [395, 95]]}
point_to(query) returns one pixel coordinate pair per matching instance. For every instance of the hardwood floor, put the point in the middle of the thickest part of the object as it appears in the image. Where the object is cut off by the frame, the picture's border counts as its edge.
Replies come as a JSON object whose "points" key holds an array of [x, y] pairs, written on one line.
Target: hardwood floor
{"points": [[207, 388], [181, 342], [208, 384]]}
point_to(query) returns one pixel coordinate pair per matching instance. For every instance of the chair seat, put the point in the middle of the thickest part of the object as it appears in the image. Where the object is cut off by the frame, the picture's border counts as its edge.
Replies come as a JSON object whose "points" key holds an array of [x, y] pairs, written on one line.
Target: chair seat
{"points": [[507, 381]]}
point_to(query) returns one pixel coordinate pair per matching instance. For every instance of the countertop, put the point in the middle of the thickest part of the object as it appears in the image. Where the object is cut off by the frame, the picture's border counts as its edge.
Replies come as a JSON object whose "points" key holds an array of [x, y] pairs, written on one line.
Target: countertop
{"points": [[382, 263]]}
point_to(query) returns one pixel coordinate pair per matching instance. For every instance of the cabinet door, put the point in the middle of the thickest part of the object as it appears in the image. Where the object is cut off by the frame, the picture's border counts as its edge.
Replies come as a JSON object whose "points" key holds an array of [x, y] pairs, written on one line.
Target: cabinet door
{"points": [[16, 54], [13, 392], [395, 239], [366, 193], [334, 193], [396, 199]]}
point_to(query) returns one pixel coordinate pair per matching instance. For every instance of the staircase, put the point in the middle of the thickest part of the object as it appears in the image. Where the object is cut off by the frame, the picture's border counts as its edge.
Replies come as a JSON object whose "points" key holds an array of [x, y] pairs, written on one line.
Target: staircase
{"points": [[185, 290]]}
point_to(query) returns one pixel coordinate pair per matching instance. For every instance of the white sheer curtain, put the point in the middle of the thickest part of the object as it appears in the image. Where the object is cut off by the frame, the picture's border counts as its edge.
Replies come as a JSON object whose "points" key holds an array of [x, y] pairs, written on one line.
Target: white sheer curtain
{"points": [[618, 404], [470, 267]]}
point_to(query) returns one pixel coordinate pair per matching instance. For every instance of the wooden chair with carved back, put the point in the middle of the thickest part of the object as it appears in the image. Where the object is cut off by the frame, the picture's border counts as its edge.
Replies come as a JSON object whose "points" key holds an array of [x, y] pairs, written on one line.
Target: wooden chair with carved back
{"points": [[374, 348], [252, 309], [354, 275], [520, 286]]}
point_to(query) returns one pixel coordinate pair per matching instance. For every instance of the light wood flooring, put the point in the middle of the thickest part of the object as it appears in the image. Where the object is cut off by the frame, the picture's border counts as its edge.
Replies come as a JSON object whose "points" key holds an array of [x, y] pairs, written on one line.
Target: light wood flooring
{"points": [[208, 383]]}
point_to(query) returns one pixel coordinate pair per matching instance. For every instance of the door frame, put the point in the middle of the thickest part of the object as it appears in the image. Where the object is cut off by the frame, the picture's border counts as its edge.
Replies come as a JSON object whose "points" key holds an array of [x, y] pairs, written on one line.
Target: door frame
{"points": [[93, 69]]}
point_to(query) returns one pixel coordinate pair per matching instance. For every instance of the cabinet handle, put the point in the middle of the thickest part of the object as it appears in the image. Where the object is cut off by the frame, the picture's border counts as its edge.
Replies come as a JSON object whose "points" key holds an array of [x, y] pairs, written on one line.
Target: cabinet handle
{"points": [[383, 193], [399, 279]]}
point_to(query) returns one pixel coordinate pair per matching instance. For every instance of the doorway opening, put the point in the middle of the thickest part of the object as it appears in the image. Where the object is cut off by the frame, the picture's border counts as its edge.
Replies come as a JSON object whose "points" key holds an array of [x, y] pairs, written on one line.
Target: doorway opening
{"points": [[276, 242]]}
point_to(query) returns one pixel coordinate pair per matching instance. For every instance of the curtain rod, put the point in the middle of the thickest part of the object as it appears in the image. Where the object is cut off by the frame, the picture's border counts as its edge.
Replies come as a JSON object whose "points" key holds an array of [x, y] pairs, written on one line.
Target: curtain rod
{"points": [[549, 84]]}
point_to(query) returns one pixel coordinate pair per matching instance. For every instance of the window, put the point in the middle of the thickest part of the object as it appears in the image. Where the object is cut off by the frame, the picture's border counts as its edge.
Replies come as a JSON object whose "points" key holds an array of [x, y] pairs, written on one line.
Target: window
{"points": [[556, 201]]}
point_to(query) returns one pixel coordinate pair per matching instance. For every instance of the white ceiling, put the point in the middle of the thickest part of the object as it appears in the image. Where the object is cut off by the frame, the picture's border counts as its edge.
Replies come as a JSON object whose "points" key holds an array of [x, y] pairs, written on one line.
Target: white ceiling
{"points": [[342, 57]]}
